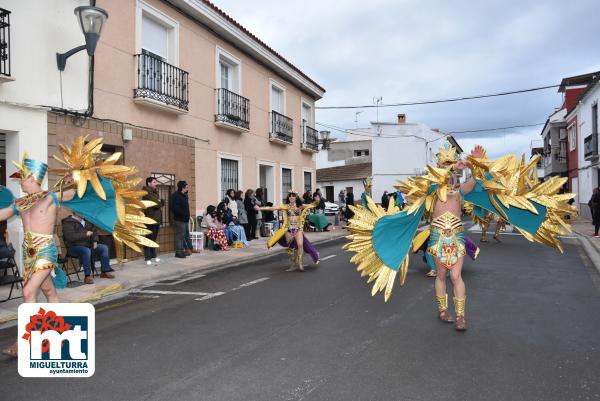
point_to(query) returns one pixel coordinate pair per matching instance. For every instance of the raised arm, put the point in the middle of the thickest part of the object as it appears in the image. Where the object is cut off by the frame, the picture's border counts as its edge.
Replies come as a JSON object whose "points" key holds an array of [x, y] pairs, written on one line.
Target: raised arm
{"points": [[269, 209], [468, 186], [310, 205], [6, 213], [66, 195]]}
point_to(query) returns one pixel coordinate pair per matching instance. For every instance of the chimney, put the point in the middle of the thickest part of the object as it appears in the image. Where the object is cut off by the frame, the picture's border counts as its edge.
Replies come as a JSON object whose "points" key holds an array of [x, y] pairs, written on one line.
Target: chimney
{"points": [[401, 118], [436, 130]]}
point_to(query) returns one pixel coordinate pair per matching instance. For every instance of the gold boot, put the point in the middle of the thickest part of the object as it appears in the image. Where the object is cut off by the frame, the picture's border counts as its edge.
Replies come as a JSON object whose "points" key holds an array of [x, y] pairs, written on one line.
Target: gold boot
{"points": [[459, 308], [299, 256], [444, 315], [292, 255]]}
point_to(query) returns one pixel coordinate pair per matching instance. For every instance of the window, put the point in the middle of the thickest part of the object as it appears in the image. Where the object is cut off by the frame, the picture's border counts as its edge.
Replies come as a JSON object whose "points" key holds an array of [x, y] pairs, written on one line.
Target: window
{"points": [[166, 187], [228, 71], [307, 181], [572, 133], [229, 176], [155, 37], [157, 33], [361, 153], [286, 182], [277, 98], [306, 115]]}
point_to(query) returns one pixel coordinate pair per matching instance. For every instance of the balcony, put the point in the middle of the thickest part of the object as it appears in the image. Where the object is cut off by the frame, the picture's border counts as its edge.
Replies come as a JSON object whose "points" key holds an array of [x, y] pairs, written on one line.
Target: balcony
{"points": [[310, 139], [5, 73], [590, 147], [161, 84], [233, 110], [281, 128]]}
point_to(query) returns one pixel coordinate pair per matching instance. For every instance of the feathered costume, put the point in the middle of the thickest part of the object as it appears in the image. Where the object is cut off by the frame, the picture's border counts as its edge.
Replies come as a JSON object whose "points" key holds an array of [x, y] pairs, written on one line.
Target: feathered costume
{"points": [[279, 236], [507, 186], [109, 202]]}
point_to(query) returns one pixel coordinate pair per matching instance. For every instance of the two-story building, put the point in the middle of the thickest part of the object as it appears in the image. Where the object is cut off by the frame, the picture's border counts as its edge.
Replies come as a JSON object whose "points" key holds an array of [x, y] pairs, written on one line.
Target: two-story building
{"points": [[187, 93]]}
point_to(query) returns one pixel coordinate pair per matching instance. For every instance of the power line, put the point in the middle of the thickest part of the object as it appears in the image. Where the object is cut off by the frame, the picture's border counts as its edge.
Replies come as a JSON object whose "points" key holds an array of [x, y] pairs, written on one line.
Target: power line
{"points": [[455, 99], [372, 135]]}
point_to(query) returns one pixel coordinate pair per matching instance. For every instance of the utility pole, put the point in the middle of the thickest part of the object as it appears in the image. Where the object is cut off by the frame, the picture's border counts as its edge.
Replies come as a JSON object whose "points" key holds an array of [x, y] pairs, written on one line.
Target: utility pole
{"points": [[356, 117], [377, 101]]}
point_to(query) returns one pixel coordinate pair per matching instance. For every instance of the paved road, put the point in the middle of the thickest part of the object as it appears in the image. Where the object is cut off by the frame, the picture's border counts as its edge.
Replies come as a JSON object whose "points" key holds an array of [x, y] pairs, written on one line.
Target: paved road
{"points": [[319, 335]]}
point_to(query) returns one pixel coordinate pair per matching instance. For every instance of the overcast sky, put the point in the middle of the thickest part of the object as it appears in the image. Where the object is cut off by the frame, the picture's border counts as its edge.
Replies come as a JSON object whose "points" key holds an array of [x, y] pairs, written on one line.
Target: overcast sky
{"points": [[424, 49]]}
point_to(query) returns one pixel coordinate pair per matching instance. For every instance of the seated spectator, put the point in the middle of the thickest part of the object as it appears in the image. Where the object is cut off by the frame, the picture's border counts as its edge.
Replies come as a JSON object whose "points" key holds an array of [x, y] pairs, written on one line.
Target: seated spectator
{"points": [[216, 229], [269, 217], [80, 241]]}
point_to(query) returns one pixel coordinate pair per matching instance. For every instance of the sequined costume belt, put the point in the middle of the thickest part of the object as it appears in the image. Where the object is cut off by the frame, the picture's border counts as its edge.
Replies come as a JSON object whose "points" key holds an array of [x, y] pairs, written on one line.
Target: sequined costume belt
{"points": [[447, 241], [39, 253]]}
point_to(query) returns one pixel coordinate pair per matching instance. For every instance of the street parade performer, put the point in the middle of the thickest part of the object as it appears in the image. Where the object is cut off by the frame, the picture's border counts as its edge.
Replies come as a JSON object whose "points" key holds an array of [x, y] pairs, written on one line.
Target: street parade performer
{"points": [[484, 219], [291, 232], [507, 186], [368, 184], [109, 203]]}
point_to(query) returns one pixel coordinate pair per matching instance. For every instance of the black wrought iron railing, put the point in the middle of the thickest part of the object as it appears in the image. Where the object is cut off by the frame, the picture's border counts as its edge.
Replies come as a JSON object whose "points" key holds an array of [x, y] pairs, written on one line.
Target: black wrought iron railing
{"points": [[232, 108], [4, 42], [281, 127], [590, 146], [311, 138], [161, 81]]}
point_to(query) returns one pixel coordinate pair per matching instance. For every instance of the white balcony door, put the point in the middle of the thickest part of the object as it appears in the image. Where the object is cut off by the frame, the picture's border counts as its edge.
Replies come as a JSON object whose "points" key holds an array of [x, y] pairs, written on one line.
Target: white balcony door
{"points": [[155, 43], [277, 99], [225, 70], [305, 120]]}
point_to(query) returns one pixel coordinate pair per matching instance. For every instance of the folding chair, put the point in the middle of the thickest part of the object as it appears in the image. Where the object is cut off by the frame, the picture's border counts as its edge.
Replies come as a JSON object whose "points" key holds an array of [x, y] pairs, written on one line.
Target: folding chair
{"points": [[13, 279]]}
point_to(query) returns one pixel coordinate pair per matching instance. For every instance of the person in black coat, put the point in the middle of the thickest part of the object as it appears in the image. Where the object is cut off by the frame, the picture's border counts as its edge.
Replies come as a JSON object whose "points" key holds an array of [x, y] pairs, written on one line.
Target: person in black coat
{"points": [[180, 206], [385, 200], [251, 209], [349, 201]]}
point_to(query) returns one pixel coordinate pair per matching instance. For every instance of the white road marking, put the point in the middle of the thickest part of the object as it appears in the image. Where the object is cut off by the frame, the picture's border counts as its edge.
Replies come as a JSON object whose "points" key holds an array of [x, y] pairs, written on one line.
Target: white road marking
{"points": [[183, 280], [209, 296], [258, 280], [145, 296], [174, 292], [328, 257]]}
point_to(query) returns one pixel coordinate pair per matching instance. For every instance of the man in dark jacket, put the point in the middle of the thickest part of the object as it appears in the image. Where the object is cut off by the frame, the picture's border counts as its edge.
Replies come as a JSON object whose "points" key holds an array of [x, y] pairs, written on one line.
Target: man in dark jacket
{"points": [[155, 213], [181, 214], [80, 240]]}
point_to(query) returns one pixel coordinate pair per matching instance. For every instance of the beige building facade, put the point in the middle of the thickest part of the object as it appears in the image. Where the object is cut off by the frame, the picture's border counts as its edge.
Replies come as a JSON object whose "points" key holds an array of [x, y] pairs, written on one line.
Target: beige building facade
{"points": [[186, 93]]}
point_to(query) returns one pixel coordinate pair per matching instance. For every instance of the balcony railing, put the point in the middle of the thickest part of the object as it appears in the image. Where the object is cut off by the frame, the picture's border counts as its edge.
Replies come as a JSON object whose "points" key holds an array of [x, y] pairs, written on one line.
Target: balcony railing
{"points": [[590, 147], [4, 42], [232, 109], [310, 140], [281, 127], [161, 81]]}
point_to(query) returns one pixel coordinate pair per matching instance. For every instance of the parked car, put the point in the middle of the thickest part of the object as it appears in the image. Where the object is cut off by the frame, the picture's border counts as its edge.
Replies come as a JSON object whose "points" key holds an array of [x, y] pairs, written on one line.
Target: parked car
{"points": [[331, 209]]}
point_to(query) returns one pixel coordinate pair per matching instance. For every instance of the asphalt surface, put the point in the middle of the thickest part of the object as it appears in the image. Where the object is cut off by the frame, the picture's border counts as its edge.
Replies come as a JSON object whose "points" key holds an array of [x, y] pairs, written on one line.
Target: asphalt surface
{"points": [[319, 335]]}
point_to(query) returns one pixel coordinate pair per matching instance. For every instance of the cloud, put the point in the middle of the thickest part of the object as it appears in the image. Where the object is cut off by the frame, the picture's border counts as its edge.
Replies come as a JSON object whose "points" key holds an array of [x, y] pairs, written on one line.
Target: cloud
{"points": [[422, 50]]}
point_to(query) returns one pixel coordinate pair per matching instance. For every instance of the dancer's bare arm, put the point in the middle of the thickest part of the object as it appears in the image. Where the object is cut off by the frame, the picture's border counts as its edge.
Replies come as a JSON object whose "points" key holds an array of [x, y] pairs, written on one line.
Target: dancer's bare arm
{"points": [[67, 195], [6, 213], [468, 186]]}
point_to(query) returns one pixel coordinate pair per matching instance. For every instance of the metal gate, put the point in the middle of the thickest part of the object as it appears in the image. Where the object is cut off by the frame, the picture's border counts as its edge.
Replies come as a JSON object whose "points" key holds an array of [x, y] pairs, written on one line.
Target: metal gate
{"points": [[229, 176]]}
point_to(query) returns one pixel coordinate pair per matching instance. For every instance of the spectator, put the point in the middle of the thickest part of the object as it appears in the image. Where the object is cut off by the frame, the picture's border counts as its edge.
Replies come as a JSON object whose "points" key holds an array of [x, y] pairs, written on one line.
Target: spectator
{"points": [[385, 200], [216, 228], [318, 197], [251, 209], [269, 217], [226, 215], [398, 199], [258, 198], [307, 197], [596, 211], [181, 214], [349, 201], [593, 204], [342, 197], [318, 220], [230, 202], [155, 213], [80, 241], [242, 213]]}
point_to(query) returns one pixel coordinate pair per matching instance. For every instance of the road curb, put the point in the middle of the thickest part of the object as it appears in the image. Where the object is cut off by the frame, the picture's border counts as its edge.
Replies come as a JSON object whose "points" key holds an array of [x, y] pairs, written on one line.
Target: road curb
{"points": [[592, 251]]}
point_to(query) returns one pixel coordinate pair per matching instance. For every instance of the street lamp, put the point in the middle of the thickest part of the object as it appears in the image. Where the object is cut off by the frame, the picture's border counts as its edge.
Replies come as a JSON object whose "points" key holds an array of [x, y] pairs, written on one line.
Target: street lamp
{"points": [[91, 20], [324, 139]]}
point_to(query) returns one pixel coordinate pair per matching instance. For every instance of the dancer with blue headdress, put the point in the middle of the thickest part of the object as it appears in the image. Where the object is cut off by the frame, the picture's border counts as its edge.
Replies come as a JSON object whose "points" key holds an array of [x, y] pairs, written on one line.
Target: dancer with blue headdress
{"points": [[508, 186], [109, 203]]}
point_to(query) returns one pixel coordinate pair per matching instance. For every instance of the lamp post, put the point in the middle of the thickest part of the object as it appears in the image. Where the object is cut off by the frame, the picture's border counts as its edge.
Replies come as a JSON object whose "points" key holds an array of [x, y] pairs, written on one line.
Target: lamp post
{"points": [[91, 20], [324, 141]]}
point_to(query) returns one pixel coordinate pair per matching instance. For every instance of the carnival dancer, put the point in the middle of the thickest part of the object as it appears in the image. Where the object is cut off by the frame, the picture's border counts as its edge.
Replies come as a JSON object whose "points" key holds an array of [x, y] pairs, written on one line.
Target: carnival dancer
{"points": [[108, 203], [508, 187], [368, 184], [291, 233], [485, 225]]}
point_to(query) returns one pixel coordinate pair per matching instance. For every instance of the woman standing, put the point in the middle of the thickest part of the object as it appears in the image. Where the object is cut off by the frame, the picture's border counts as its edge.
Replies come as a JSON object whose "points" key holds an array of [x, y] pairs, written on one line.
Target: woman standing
{"points": [[242, 214], [230, 201], [349, 202], [291, 234], [251, 209]]}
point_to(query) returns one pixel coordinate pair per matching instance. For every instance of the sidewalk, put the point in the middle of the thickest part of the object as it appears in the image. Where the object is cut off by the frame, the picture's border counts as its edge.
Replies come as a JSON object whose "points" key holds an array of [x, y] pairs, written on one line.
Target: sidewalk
{"points": [[584, 230], [135, 273]]}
